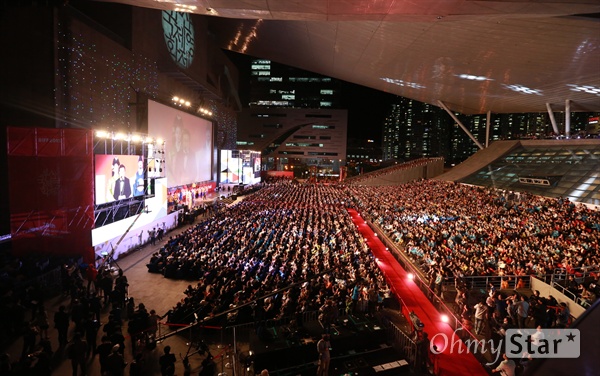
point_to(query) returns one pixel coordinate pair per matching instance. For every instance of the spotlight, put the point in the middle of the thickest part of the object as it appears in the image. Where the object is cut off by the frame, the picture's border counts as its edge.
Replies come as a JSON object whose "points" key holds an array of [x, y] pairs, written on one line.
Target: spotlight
{"points": [[411, 276], [101, 134], [445, 318], [175, 99]]}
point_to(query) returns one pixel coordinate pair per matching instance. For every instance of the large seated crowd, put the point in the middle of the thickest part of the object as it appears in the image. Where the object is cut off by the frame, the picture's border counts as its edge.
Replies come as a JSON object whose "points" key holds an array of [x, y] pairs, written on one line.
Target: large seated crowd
{"points": [[300, 241], [280, 236], [460, 230]]}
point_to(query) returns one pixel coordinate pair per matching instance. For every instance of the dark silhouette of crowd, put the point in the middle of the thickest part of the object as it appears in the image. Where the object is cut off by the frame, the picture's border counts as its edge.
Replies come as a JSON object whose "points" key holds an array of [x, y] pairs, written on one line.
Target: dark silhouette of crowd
{"points": [[85, 294]]}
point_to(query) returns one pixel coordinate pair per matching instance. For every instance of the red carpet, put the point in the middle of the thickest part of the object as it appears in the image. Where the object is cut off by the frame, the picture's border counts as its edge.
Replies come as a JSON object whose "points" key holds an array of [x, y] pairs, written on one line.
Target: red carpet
{"points": [[455, 362]]}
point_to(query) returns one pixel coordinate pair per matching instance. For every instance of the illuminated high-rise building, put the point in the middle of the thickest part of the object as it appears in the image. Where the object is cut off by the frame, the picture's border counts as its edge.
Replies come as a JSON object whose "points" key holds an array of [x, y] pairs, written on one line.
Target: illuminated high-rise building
{"points": [[277, 85], [294, 118]]}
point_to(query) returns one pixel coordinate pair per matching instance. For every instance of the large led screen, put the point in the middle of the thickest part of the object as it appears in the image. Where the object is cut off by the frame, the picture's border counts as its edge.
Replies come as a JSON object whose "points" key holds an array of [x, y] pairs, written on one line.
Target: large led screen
{"points": [[119, 177], [188, 143]]}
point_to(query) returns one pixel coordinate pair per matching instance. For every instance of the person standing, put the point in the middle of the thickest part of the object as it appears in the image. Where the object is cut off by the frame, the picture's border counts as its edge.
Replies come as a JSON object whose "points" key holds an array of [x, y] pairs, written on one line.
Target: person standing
{"points": [[77, 354], [103, 350], [522, 311], [136, 367], [167, 362], [110, 186], [115, 363], [139, 183], [122, 185], [61, 323], [480, 315], [324, 348]]}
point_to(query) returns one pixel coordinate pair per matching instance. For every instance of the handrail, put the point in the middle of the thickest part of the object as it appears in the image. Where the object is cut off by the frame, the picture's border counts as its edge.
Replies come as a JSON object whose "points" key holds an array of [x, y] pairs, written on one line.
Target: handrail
{"points": [[457, 323]]}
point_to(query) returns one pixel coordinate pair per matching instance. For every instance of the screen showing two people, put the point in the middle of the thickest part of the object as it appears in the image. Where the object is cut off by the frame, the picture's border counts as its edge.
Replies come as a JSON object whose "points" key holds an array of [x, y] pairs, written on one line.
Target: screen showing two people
{"points": [[188, 144], [119, 177]]}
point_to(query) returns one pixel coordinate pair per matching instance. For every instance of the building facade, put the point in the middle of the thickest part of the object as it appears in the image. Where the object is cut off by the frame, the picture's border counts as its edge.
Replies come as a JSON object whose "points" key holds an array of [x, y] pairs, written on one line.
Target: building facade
{"points": [[296, 139], [413, 129], [294, 118]]}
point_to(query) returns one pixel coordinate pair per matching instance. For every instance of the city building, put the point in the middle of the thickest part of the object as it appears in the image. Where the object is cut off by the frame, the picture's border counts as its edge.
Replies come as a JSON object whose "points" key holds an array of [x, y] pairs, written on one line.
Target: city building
{"points": [[363, 155], [414, 129], [296, 139], [294, 118]]}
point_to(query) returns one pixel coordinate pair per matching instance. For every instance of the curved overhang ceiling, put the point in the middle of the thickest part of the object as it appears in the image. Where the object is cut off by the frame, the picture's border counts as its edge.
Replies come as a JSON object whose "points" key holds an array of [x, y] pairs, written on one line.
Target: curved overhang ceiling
{"points": [[474, 56]]}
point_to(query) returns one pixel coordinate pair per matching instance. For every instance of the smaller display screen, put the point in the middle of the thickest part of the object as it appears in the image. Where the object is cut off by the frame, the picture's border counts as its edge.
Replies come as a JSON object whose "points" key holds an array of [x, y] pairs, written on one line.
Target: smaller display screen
{"points": [[119, 177]]}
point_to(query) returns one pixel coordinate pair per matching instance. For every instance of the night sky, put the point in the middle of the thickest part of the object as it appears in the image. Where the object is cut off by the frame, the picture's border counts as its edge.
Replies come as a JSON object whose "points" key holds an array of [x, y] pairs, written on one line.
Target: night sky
{"points": [[367, 108]]}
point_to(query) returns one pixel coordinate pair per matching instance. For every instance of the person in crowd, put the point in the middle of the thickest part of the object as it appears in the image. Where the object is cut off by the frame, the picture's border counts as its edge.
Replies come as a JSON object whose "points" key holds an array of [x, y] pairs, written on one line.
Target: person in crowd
{"points": [[76, 351], [61, 323], [506, 367], [167, 362], [136, 368], [103, 350], [522, 311], [323, 348], [115, 362], [481, 313]]}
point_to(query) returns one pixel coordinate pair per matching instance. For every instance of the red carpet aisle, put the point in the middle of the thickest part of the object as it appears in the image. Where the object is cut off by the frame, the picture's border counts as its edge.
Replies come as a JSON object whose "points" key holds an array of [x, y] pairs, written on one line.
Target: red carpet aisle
{"points": [[455, 364]]}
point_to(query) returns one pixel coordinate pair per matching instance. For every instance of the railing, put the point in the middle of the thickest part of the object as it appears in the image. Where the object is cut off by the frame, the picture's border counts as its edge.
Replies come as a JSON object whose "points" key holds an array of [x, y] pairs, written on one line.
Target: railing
{"points": [[462, 328], [50, 282], [580, 273], [402, 342], [569, 294], [506, 282]]}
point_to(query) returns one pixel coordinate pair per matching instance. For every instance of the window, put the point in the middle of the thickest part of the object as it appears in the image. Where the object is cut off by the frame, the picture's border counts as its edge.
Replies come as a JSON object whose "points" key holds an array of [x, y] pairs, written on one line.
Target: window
{"points": [[319, 126], [303, 144], [260, 66], [325, 138], [326, 92], [318, 116]]}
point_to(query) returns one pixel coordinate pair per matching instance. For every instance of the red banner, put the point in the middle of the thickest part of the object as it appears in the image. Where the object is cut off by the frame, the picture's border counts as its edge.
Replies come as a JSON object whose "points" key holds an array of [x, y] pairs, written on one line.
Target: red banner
{"points": [[51, 191]]}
